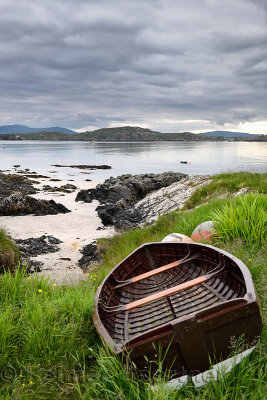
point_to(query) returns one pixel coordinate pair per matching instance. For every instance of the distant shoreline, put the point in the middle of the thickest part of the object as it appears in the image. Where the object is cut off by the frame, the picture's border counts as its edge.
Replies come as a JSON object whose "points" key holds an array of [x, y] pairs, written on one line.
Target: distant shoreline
{"points": [[132, 134], [68, 139]]}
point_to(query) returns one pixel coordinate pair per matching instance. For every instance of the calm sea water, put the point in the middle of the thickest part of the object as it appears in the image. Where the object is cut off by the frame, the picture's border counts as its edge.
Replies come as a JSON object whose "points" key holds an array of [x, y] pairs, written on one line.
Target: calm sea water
{"points": [[134, 157]]}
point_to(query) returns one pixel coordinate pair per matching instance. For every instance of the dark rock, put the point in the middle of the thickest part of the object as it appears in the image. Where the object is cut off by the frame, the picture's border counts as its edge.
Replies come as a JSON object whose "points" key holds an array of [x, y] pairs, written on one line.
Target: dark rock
{"points": [[107, 213], [35, 183], [32, 266], [68, 188], [118, 195], [91, 255], [10, 183], [20, 204], [34, 175], [131, 188], [35, 246], [84, 195], [127, 219], [83, 166], [159, 202], [53, 240]]}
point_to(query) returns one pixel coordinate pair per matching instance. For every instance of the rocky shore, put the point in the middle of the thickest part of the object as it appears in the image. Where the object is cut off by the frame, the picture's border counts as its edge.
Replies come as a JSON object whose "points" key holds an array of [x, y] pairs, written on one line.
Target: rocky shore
{"points": [[159, 202], [50, 235], [117, 196], [60, 239]]}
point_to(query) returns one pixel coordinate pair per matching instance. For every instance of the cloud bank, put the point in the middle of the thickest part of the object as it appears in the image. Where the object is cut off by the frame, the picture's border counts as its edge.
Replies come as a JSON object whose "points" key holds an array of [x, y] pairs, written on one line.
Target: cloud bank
{"points": [[164, 64]]}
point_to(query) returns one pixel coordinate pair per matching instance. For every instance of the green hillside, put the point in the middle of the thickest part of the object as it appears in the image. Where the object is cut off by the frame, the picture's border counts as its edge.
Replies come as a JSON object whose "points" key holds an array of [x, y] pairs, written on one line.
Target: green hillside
{"points": [[124, 133]]}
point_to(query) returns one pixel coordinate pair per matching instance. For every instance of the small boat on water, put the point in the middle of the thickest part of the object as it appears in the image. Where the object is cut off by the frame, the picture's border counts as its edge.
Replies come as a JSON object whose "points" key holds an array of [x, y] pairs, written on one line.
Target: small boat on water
{"points": [[185, 300]]}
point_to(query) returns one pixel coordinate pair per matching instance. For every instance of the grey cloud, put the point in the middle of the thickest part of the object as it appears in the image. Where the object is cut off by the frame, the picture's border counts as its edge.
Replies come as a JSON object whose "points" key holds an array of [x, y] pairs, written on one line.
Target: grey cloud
{"points": [[92, 63], [228, 43]]}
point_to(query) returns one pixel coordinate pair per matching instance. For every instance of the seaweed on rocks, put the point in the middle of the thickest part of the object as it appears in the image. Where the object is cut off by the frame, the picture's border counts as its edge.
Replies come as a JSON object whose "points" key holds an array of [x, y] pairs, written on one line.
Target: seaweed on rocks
{"points": [[10, 183], [68, 188], [15, 199], [19, 204], [32, 247], [83, 166]]}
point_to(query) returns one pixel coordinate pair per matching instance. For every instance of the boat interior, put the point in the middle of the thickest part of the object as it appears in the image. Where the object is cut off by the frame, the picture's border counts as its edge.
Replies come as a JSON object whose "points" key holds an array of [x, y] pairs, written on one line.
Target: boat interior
{"points": [[161, 282]]}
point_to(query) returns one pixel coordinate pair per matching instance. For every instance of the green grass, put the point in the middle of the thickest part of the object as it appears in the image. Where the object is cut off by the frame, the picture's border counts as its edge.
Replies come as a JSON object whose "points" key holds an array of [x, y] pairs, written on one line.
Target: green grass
{"points": [[49, 348], [46, 336], [6, 243], [9, 253], [247, 380], [227, 183], [243, 217]]}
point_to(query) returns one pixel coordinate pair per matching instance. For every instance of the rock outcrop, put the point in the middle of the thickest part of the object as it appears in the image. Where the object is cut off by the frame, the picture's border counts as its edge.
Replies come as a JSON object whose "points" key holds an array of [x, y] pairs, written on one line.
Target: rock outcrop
{"points": [[67, 188], [118, 195], [10, 183], [83, 166], [15, 199], [32, 247], [159, 202], [90, 256], [18, 203]]}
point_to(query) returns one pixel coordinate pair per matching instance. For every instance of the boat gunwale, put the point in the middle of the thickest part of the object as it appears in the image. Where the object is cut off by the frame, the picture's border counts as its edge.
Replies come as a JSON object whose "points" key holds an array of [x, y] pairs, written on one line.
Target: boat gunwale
{"points": [[250, 295]]}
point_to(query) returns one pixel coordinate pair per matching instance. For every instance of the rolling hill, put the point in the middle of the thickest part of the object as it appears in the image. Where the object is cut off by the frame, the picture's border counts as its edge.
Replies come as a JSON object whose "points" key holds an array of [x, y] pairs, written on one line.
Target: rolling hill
{"points": [[124, 134], [19, 129], [228, 134]]}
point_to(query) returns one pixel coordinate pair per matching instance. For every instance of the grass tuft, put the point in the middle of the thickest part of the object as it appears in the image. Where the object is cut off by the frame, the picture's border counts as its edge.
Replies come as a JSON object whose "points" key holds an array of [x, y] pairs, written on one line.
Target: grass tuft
{"points": [[243, 217]]}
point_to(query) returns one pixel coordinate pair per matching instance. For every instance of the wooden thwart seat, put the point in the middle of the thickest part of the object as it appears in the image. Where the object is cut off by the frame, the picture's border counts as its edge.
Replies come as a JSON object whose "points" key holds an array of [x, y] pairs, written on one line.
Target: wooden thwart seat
{"points": [[167, 292], [154, 272], [218, 270]]}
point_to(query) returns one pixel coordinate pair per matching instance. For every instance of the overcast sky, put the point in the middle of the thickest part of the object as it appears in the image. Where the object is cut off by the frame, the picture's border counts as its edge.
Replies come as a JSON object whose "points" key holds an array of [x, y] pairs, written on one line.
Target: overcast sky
{"points": [[169, 65]]}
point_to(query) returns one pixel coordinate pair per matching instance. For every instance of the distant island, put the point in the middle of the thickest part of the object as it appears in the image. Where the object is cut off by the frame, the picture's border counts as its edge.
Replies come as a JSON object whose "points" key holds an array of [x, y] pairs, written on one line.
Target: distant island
{"points": [[228, 134], [124, 133], [26, 129]]}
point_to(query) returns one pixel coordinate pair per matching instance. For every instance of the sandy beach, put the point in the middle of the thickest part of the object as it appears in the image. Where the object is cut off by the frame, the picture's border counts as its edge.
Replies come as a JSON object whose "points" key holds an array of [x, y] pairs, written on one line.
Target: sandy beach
{"points": [[75, 229]]}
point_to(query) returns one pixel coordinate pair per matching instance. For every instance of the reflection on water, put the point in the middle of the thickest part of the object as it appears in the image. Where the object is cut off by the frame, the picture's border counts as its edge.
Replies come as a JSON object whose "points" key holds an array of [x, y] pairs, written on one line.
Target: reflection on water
{"points": [[135, 157]]}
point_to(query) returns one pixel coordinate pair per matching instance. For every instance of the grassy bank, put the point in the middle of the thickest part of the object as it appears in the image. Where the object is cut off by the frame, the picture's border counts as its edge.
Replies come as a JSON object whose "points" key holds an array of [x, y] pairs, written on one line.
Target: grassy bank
{"points": [[8, 251], [224, 184], [49, 348]]}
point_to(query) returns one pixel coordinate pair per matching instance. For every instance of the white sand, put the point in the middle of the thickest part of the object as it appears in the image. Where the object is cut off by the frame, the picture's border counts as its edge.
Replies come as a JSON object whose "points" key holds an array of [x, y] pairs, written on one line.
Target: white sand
{"points": [[76, 229]]}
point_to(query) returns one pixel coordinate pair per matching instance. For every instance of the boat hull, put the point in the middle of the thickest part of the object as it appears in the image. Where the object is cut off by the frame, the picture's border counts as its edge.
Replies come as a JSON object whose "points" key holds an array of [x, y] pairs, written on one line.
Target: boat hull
{"points": [[188, 329]]}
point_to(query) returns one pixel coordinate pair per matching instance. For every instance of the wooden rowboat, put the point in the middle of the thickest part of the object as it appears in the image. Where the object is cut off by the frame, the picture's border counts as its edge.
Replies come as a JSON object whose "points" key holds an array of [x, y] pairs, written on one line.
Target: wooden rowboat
{"points": [[188, 299]]}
